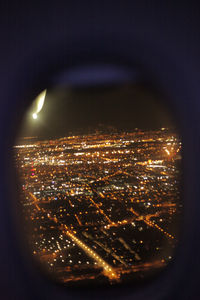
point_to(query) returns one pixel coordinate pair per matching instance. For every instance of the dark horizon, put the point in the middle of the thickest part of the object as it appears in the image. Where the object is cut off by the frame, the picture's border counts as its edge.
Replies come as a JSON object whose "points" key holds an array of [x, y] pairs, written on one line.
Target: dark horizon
{"points": [[71, 110], [92, 131]]}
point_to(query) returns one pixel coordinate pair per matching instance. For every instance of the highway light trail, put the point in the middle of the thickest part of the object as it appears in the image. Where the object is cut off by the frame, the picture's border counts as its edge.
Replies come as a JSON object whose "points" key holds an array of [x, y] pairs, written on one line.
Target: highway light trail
{"points": [[108, 271], [35, 200], [100, 210], [152, 224], [97, 206], [146, 220]]}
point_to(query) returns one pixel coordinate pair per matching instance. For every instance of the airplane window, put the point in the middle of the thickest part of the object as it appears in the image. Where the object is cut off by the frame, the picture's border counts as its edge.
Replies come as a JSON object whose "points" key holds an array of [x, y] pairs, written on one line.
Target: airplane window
{"points": [[99, 171]]}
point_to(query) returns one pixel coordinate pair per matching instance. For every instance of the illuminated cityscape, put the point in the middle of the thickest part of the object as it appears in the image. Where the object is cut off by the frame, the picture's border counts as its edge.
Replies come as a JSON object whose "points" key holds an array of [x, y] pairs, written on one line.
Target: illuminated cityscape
{"points": [[103, 207]]}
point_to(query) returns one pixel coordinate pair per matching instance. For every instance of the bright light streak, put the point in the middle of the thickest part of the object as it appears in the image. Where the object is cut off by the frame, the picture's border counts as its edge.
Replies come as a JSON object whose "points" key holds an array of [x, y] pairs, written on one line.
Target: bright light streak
{"points": [[167, 151], [34, 116], [39, 102]]}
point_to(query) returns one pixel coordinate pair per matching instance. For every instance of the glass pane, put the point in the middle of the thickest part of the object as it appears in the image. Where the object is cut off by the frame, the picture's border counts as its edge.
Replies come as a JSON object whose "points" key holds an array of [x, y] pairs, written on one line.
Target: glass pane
{"points": [[99, 170]]}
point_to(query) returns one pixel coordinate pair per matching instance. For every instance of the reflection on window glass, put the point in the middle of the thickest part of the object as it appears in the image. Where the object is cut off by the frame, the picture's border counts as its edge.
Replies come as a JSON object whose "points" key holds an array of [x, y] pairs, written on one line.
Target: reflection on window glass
{"points": [[99, 170]]}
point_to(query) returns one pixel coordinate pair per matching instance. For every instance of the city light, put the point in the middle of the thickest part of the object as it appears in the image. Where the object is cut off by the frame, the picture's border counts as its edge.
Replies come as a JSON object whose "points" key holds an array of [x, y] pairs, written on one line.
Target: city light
{"points": [[167, 151], [101, 207]]}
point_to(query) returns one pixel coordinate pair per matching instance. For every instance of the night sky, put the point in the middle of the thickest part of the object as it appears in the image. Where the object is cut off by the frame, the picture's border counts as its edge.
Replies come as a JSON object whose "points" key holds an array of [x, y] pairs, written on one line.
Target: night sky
{"points": [[84, 109]]}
